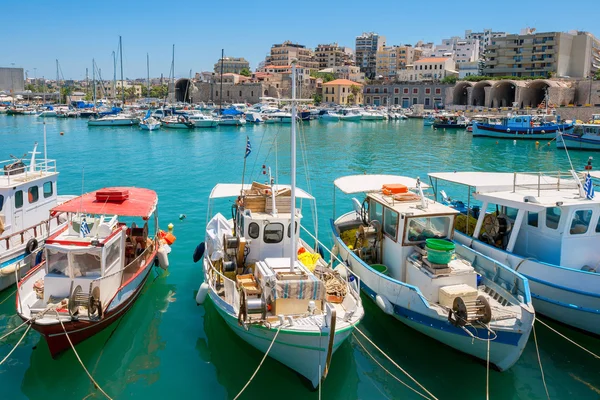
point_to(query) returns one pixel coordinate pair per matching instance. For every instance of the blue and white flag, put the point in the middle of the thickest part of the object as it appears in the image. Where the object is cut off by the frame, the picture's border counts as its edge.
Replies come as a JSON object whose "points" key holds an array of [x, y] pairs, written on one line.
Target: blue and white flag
{"points": [[588, 187], [248, 147], [85, 229]]}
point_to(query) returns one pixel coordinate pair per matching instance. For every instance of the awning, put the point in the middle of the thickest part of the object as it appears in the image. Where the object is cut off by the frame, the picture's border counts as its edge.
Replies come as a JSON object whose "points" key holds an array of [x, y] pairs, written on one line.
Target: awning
{"points": [[373, 183], [139, 203], [233, 190]]}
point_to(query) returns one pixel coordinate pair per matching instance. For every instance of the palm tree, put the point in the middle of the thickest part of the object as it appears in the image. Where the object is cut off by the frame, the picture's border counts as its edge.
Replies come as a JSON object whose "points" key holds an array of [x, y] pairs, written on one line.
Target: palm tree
{"points": [[355, 91]]}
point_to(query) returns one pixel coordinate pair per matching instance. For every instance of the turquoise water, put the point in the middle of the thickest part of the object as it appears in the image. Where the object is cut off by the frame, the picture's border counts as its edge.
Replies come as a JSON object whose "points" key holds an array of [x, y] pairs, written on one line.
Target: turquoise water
{"points": [[168, 347]]}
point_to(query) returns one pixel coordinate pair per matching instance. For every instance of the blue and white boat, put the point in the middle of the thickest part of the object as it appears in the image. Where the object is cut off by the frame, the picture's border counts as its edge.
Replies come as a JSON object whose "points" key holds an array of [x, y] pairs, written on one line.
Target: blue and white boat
{"points": [[522, 127], [583, 137], [468, 301], [546, 227]]}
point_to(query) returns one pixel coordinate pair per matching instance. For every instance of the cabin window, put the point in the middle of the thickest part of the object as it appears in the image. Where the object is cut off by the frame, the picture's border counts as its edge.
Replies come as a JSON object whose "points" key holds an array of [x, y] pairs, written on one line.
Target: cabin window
{"points": [[422, 228], [18, 199], [253, 230], [48, 189], [553, 217], [273, 233], [58, 263], [112, 254], [86, 264], [376, 212], [597, 224], [295, 230], [1, 202], [390, 225], [532, 218], [33, 194], [581, 222], [511, 212]]}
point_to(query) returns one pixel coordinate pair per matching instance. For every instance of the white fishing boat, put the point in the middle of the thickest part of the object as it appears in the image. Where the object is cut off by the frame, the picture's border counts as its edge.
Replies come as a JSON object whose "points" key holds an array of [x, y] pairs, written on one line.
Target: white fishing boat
{"points": [[350, 115], [546, 227], [277, 116], [121, 119], [47, 112], [400, 245], [231, 120], [329, 115], [150, 124], [269, 285], [27, 193], [372, 115], [177, 122]]}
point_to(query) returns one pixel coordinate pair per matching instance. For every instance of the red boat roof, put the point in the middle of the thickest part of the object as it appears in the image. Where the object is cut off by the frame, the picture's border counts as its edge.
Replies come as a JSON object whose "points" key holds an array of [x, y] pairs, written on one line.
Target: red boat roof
{"points": [[125, 201]]}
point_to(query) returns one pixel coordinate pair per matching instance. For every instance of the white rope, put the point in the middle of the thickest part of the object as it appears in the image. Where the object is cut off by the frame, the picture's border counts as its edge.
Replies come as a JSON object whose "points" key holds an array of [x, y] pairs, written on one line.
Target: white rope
{"points": [[14, 330], [16, 345], [487, 369], [387, 371], [78, 358], [563, 336], [8, 297], [396, 365], [540, 361], [259, 365]]}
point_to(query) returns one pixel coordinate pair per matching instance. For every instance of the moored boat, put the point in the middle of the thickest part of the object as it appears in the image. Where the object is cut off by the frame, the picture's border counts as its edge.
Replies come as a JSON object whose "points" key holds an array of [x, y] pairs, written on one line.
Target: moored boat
{"points": [[583, 137], [446, 121], [522, 127], [178, 121], [121, 119], [150, 124]]}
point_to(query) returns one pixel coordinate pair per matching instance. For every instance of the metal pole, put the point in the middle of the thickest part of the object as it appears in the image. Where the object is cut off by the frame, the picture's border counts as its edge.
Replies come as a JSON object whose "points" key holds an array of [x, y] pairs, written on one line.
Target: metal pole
{"points": [[121, 57], [221, 88], [293, 254], [114, 75]]}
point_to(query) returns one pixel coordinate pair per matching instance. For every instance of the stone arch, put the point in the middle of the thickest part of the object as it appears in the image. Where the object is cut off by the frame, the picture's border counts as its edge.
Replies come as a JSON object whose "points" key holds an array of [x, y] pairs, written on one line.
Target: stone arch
{"points": [[478, 97], [535, 92], [460, 94], [504, 93], [266, 92], [183, 90]]}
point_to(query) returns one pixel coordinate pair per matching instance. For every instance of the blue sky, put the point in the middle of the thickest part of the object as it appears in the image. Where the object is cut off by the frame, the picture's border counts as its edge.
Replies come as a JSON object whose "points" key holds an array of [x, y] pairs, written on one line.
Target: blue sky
{"points": [[37, 32]]}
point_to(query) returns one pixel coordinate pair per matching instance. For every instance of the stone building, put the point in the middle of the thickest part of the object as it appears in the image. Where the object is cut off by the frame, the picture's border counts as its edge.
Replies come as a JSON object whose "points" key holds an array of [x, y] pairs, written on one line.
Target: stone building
{"points": [[233, 65], [12, 79], [283, 54], [429, 95], [332, 55], [365, 52]]}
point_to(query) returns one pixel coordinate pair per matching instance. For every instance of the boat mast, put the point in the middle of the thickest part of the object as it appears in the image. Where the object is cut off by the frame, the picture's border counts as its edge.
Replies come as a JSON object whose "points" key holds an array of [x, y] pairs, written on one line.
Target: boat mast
{"points": [[94, 80], [293, 168], [58, 82], [114, 75], [221, 87], [173, 76], [121, 57], [148, 76]]}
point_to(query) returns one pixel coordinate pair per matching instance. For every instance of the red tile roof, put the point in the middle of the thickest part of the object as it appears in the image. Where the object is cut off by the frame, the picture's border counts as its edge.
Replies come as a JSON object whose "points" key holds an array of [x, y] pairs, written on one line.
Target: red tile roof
{"points": [[432, 59], [346, 82]]}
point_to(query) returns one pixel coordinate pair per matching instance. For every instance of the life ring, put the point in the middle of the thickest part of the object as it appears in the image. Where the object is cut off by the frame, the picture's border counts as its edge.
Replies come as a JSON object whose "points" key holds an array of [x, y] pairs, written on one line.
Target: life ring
{"points": [[32, 244]]}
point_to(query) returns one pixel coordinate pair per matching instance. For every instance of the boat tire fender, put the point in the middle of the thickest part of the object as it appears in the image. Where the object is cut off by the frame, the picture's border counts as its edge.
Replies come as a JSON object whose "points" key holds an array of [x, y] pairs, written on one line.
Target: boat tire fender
{"points": [[32, 244], [199, 252], [384, 304]]}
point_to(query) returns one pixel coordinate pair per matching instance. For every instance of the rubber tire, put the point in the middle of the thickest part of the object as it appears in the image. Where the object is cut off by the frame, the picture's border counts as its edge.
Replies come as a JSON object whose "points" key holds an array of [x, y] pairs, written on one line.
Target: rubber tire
{"points": [[32, 244]]}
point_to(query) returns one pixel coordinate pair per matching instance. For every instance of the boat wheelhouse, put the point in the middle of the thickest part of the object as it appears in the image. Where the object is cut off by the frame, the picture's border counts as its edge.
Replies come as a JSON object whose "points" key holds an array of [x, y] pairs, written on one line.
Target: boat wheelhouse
{"points": [[522, 127], [95, 267], [544, 226], [400, 245], [445, 121], [583, 137]]}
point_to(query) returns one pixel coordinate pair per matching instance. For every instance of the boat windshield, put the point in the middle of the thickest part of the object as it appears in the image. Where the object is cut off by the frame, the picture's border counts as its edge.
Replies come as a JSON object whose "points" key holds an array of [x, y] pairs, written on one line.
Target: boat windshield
{"points": [[421, 228]]}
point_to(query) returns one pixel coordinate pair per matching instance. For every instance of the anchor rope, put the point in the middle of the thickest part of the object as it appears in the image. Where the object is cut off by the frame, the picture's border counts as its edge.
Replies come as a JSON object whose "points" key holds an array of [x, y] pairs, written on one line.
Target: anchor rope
{"points": [[395, 364], [16, 345], [261, 363], [537, 350], [570, 340]]}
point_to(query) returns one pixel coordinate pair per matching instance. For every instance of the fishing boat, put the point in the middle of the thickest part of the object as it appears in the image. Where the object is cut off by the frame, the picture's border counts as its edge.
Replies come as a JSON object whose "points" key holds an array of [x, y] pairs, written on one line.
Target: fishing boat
{"points": [[277, 116], [269, 285], [428, 120], [446, 121], [583, 137], [522, 127], [48, 111], [27, 193], [95, 267], [400, 245], [545, 226], [177, 121], [150, 123]]}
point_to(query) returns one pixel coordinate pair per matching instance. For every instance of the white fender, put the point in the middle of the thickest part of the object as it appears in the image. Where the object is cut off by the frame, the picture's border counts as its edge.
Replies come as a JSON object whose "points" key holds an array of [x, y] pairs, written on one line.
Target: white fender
{"points": [[384, 304], [9, 270], [163, 258], [335, 250], [341, 269], [202, 292]]}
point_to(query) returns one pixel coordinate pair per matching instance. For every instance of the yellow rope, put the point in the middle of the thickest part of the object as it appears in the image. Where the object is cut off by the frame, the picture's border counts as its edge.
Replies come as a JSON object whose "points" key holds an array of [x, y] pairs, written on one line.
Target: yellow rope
{"points": [[259, 365], [78, 358], [386, 370], [540, 361], [396, 365], [16, 345], [563, 336]]}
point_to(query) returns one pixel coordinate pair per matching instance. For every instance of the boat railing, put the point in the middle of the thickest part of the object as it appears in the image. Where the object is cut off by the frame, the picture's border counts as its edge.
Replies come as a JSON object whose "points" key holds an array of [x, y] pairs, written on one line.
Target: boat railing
{"points": [[41, 166], [36, 231], [216, 279], [538, 181]]}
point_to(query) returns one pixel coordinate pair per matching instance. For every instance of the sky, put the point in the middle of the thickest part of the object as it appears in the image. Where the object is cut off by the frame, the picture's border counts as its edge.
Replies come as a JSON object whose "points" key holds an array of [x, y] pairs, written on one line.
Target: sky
{"points": [[35, 33]]}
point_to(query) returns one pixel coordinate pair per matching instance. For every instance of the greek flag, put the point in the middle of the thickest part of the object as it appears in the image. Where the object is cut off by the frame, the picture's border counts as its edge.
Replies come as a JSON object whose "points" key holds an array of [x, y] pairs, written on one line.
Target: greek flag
{"points": [[85, 229], [248, 147], [588, 187]]}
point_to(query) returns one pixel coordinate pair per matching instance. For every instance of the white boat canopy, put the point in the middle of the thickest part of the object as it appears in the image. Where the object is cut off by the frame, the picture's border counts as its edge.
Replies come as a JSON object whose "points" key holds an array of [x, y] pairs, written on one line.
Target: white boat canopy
{"points": [[485, 182], [372, 183], [222, 190]]}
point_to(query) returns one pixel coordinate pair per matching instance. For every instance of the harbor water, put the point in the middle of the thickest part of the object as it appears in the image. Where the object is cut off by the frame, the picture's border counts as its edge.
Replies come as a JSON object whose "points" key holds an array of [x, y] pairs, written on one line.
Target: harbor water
{"points": [[168, 347]]}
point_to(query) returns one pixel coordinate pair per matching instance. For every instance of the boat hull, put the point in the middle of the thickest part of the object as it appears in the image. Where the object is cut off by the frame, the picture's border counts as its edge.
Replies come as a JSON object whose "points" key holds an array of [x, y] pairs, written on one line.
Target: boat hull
{"points": [[150, 127], [113, 122], [351, 118], [206, 124], [232, 122], [449, 126], [177, 125], [504, 132], [575, 142]]}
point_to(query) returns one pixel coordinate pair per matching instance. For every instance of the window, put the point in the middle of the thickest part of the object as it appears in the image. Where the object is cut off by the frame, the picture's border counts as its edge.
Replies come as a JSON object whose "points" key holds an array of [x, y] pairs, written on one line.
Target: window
{"points": [[240, 93], [405, 91], [415, 90], [552, 217], [438, 91], [368, 90], [390, 222], [375, 212], [1, 202], [422, 228], [86, 264], [57, 262], [33, 194], [376, 90], [332, 90], [427, 101], [273, 233], [252, 93], [18, 199], [216, 93], [532, 218], [326, 99], [396, 90], [253, 230], [415, 100], [228, 93], [427, 90], [112, 254], [597, 224], [47, 190], [581, 222], [343, 90], [295, 230]]}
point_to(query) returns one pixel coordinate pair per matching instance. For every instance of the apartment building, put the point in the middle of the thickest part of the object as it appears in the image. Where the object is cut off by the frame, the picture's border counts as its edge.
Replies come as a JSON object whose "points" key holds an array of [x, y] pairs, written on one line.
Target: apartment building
{"points": [[460, 50], [386, 62], [560, 54], [232, 65], [431, 69], [430, 95], [283, 54], [485, 38], [366, 47], [332, 55]]}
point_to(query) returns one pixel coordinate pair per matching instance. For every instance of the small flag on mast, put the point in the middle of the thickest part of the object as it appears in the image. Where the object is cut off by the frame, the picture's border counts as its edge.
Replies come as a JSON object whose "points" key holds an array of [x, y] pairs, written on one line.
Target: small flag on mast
{"points": [[85, 229], [588, 187], [248, 147]]}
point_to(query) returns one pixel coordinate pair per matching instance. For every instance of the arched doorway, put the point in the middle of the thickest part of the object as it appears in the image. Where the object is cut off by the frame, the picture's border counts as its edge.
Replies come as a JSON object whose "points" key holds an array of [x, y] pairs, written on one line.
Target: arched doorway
{"points": [[503, 94], [536, 92], [478, 94], [460, 95], [182, 90]]}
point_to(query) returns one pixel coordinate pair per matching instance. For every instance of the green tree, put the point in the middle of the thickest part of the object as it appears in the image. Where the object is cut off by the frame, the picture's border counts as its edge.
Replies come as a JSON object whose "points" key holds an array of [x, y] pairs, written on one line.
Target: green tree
{"points": [[30, 86], [245, 72], [350, 98], [130, 93], [65, 92], [88, 96], [449, 79], [597, 76], [326, 76], [317, 98], [160, 91]]}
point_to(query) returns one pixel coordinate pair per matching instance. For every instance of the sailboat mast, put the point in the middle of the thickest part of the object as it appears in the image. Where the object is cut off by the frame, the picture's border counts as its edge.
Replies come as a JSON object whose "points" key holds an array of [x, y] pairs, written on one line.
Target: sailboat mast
{"points": [[121, 57], [94, 80], [58, 82], [221, 87], [114, 75], [173, 76], [293, 169], [148, 75]]}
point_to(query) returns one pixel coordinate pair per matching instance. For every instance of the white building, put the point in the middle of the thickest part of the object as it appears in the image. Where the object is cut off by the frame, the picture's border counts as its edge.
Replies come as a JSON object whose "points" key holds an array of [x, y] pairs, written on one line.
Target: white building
{"points": [[430, 69], [460, 50], [366, 47], [468, 69], [485, 38]]}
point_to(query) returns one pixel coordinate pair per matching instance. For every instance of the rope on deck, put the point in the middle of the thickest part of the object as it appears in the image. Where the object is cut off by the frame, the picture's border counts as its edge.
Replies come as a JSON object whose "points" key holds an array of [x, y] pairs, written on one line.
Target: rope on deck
{"points": [[564, 337], [16, 345], [259, 365], [79, 359], [540, 361], [397, 366]]}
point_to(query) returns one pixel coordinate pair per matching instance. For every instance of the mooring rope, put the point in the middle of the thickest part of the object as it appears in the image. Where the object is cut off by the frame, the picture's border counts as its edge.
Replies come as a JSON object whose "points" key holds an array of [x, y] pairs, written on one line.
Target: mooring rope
{"points": [[537, 350], [487, 369], [386, 370], [79, 359], [8, 297], [396, 365], [261, 363], [14, 330], [570, 340], [16, 345]]}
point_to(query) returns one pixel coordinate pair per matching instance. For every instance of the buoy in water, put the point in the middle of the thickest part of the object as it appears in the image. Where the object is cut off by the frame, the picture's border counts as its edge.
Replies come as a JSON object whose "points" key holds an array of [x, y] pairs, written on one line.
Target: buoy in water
{"points": [[199, 252], [170, 227], [182, 217], [537, 143], [62, 134], [163, 258], [202, 292]]}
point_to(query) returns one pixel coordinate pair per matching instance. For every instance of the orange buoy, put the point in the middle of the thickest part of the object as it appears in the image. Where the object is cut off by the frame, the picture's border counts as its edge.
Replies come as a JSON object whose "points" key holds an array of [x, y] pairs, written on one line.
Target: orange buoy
{"points": [[62, 134]]}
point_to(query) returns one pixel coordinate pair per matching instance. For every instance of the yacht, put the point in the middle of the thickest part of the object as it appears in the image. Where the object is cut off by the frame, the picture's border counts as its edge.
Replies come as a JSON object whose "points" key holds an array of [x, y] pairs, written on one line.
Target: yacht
{"points": [[201, 120]]}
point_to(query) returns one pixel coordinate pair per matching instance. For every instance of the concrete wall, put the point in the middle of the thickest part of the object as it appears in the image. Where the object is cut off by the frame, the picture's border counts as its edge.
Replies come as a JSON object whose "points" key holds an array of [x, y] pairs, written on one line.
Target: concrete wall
{"points": [[12, 79]]}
